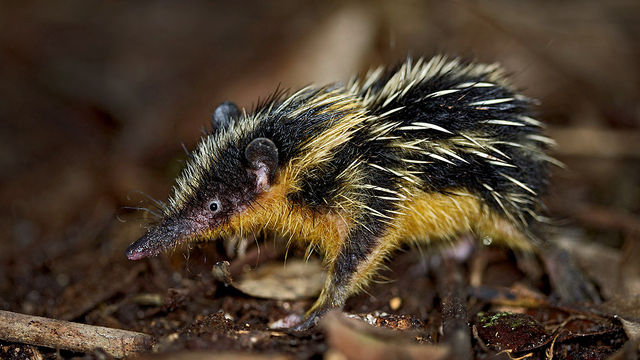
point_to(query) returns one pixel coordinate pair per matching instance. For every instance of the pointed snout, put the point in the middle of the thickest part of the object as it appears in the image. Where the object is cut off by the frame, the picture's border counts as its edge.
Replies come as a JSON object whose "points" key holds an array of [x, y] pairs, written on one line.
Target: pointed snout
{"points": [[157, 239], [144, 247]]}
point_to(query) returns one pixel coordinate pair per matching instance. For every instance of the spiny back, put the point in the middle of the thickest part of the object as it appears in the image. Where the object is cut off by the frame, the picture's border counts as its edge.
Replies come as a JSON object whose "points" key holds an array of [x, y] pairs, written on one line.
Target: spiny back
{"points": [[430, 126], [450, 124]]}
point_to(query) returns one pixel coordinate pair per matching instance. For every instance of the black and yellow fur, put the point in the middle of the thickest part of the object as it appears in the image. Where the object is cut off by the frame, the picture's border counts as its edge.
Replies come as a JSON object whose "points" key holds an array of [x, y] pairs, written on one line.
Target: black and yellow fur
{"points": [[422, 152]]}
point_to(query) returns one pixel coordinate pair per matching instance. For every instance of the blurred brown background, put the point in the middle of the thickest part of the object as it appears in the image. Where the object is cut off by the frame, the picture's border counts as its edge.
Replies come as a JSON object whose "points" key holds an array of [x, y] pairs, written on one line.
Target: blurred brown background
{"points": [[97, 97]]}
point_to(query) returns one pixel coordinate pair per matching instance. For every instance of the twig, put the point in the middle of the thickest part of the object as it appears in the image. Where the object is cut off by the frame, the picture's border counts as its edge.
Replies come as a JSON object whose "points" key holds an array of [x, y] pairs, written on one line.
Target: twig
{"points": [[59, 334], [453, 295]]}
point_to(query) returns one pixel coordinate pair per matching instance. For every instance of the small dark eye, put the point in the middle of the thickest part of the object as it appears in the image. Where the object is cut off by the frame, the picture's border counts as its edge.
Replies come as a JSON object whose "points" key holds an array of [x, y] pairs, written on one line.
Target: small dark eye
{"points": [[214, 206]]}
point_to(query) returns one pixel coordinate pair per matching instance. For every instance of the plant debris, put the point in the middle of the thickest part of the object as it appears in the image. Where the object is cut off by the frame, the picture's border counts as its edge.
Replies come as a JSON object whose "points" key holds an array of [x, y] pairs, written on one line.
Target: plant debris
{"points": [[295, 280]]}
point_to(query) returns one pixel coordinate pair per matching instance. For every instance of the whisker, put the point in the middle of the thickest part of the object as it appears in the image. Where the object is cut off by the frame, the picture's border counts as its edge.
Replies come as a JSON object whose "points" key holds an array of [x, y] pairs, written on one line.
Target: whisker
{"points": [[160, 205], [153, 213]]}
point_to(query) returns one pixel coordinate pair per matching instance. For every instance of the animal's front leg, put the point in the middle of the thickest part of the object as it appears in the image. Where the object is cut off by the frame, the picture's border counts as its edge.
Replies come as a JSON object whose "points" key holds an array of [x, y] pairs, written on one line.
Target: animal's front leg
{"points": [[359, 258], [333, 296]]}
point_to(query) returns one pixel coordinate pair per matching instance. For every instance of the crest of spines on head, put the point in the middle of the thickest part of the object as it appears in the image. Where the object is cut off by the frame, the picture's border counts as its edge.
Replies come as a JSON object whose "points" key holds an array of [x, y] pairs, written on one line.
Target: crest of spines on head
{"points": [[311, 123], [200, 159]]}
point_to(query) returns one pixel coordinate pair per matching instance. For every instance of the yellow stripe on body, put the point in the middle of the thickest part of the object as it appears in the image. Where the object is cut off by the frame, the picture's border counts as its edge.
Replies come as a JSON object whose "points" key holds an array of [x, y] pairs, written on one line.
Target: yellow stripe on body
{"points": [[436, 217]]}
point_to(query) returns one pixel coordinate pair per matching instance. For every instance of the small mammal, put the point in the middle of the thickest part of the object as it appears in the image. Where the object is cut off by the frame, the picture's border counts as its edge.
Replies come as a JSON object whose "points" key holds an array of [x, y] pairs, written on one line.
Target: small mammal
{"points": [[421, 152]]}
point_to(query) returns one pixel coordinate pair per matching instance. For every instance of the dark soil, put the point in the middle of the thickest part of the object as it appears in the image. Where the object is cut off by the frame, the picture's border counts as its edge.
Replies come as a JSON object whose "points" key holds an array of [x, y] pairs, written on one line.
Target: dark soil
{"points": [[96, 99]]}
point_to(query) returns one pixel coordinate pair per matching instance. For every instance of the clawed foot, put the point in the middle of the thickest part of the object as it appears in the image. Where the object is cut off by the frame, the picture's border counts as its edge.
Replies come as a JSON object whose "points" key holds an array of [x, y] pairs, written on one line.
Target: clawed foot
{"points": [[307, 324], [310, 321]]}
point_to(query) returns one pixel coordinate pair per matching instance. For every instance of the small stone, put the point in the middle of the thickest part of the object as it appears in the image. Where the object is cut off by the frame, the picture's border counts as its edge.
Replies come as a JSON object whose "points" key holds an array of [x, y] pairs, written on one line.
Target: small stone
{"points": [[395, 303]]}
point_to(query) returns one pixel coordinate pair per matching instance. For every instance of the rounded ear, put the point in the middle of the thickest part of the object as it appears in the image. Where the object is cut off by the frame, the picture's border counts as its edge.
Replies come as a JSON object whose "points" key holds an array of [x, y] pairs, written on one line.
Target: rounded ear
{"points": [[262, 155], [223, 114]]}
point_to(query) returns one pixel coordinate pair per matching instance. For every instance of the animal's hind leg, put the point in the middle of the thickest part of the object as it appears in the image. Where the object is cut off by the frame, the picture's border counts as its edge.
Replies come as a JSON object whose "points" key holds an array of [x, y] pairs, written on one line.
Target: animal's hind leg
{"points": [[567, 280]]}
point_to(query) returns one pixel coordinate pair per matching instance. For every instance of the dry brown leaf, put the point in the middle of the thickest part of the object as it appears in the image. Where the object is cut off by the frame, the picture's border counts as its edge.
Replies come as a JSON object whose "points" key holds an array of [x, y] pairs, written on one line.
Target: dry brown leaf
{"points": [[513, 332], [627, 310], [354, 339], [296, 279]]}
